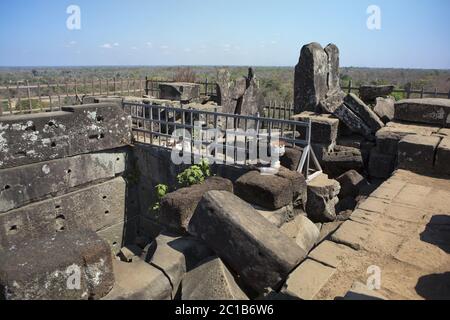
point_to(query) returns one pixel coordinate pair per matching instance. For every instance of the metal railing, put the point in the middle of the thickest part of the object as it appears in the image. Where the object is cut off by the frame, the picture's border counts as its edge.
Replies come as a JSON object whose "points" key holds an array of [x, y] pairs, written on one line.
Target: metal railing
{"points": [[221, 137]]}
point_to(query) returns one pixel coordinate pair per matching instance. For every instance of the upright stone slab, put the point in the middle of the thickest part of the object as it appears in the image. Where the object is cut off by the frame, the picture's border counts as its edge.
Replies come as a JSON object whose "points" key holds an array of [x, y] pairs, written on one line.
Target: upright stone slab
{"points": [[364, 112], [311, 78], [417, 152], [178, 207], [428, 111], [224, 91], [42, 268], [239, 235], [332, 52]]}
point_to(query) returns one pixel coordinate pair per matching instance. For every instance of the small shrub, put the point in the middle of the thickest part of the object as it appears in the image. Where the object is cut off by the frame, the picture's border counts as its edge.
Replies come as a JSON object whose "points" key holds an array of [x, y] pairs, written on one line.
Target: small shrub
{"points": [[195, 174], [161, 190]]}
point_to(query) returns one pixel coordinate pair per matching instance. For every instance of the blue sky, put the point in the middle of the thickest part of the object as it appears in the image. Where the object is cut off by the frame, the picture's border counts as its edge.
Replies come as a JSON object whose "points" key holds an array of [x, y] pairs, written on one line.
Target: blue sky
{"points": [[414, 33]]}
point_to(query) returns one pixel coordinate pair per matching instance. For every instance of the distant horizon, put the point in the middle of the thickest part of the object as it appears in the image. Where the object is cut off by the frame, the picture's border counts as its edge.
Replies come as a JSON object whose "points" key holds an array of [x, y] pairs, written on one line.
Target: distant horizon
{"points": [[201, 66]]}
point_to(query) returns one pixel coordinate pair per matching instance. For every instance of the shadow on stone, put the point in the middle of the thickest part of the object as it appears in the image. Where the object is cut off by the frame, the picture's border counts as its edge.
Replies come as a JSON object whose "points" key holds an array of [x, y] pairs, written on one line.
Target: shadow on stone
{"points": [[434, 286], [437, 232]]}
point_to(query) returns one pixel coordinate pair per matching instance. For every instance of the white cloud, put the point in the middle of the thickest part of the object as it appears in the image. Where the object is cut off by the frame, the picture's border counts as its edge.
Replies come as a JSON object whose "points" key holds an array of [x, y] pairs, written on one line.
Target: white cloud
{"points": [[71, 44], [106, 46], [134, 48], [164, 47], [149, 44], [115, 44], [187, 50]]}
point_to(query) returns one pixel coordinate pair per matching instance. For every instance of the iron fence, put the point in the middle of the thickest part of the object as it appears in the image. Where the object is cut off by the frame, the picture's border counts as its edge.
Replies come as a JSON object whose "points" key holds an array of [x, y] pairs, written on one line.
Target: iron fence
{"points": [[222, 137]]}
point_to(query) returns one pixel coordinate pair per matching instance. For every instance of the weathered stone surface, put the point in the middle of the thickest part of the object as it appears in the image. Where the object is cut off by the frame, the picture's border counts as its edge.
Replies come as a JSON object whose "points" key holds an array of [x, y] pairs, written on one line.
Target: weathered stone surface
{"points": [[270, 192], [291, 158], [429, 111], [364, 112], [224, 91], [332, 52], [211, 280], [238, 234], [86, 208], [324, 127], [381, 165], [250, 101], [178, 207], [322, 199], [331, 254], [311, 78], [385, 109], [352, 234], [37, 181], [139, 281], [351, 183], [179, 91], [328, 229], [370, 93], [344, 208], [340, 160], [129, 253], [41, 269], [174, 256], [333, 100], [387, 141], [353, 121], [303, 231], [120, 234], [307, 280], [417, 152], [442, 164], [359, 291], [26, 139], [298, 183], [277, 217]]}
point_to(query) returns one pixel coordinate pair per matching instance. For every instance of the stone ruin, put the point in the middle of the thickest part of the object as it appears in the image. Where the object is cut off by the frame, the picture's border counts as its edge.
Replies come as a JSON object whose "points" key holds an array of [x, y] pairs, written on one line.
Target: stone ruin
{"points": [[75, 195]]}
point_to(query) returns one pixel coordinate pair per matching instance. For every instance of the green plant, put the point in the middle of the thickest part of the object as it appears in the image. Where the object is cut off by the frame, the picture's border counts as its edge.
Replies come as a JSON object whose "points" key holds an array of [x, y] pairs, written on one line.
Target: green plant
{"points": [[195, 174], [161, 190]]}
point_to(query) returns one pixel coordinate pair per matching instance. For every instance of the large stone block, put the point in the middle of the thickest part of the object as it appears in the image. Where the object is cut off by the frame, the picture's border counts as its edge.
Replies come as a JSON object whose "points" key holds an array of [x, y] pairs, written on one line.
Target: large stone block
{"points": [[324, 127], [442, 164], [369, 117], [37, 181], [428, 111], [381, 165], [340, 160], [417, 152], [351, 183], [353, 121], [311, 78], [240, 236], [178, 207], [384, 108], [307, 280], [303, 231], [120, 234], [69, 265], [179, 91], [139, 281], [370, 93], [291, 158], [270, 192], [322, 199], [96, 208], [174, 256], [211, 280], [26, 139]]}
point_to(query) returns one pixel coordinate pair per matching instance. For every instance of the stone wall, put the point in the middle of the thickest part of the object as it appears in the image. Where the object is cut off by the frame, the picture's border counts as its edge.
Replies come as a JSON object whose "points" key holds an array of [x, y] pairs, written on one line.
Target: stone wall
{"points": [[67, 170]]}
